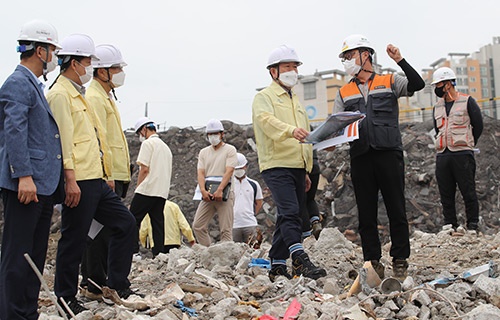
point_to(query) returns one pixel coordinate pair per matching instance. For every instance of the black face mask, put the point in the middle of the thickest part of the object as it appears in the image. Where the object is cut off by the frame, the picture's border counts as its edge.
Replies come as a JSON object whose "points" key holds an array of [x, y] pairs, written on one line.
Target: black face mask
{"points": [[439, 91]]}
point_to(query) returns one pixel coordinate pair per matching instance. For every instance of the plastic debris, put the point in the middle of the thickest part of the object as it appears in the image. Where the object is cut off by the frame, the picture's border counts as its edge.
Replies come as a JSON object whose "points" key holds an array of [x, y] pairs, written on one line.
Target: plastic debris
{"points": [[488, 270], [179, 304], [259, 262], [293, 310]]}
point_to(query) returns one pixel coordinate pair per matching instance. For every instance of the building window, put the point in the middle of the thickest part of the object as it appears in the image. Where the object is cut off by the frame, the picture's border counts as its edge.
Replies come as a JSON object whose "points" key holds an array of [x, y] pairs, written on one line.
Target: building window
{"points": [[473, 90], [484, 81], [461, 70], [466, 91], [485, 92], [472, 68], [484, 71], [472, 79], [310, 90], [462, 82]]}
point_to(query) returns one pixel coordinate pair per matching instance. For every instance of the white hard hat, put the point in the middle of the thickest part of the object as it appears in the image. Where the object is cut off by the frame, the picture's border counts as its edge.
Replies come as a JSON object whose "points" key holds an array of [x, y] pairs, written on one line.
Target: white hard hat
{"points": [[78, 45], [442, 74], [242, 161], [355, 41], [109, 56], [141, 122], [283, 54], [39, 31], [214, 126]]}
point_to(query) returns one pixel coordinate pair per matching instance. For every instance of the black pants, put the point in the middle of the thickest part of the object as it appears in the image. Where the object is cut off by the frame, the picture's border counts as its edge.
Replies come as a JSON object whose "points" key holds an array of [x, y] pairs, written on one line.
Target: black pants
{"points": [[97, 201], [95, 257], [153, 206], [453, 170], [381, 171], [95, 260], [26, 230], [287, 186], [311, 204]]}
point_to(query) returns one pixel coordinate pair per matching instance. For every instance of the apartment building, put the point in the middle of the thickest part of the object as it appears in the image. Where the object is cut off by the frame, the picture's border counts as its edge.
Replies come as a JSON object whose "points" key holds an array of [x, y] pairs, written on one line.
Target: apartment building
{"points": [[317, 93]]}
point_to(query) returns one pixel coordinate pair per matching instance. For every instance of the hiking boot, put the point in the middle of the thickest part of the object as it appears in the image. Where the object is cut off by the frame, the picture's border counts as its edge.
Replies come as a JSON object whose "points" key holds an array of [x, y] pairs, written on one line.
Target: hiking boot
{"points": [[379, 268], [301, 265], [74, 305], [400, 269], [125, 293], [278, 270], [316, 229]]}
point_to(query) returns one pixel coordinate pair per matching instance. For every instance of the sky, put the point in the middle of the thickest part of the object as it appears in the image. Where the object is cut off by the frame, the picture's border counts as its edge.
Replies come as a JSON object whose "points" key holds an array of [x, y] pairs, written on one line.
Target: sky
{"points": [[194, 60]]}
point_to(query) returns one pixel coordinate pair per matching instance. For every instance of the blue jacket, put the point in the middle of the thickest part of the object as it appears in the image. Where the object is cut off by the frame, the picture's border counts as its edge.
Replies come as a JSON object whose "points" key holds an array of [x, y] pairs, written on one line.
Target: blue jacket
{"points": [[29, 138]]}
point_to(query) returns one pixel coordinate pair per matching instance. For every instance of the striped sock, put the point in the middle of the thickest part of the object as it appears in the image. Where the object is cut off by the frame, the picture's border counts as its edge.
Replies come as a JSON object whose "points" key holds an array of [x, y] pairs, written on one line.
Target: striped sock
{"points": [[306, 234], [278, 261], [296, 249]]}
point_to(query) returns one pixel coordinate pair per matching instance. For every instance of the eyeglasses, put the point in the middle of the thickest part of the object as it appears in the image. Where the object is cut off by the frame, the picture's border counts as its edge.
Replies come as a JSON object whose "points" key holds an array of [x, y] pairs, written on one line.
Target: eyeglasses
{"points": [[349, 55]]}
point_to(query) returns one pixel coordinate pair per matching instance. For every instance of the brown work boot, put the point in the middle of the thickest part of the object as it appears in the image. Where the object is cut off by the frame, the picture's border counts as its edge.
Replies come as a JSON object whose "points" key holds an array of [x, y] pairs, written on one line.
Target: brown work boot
{"points": [[303, 266], [400, 269], [379, 268], [316, 229], [278, 270]]}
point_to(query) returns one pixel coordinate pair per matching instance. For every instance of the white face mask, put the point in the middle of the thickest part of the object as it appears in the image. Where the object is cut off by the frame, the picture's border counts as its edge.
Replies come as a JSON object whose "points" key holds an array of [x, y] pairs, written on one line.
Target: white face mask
{"points": [[142, 138], [214, 139], [118, 79], [289, 78], [351, 68], [239, 173], [89, 70], [51, 66]]}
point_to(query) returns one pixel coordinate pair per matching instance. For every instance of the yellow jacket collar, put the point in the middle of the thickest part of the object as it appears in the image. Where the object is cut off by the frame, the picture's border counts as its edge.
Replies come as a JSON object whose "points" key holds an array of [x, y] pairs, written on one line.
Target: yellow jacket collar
{"points": [[279, 90]]}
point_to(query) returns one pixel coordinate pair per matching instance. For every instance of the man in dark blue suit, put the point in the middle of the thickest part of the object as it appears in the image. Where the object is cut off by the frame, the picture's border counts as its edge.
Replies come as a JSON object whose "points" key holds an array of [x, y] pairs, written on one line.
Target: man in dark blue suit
{"points": [[30, 170]]}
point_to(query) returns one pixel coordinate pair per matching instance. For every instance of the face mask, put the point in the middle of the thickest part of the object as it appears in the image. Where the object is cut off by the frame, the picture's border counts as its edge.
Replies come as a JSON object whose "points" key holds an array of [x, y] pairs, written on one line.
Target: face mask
{"points": [[118, 79], [439, 91], [89, 70], [239, 173], [142, 138], [51, 66], [351, 68], [214, 139], [289, 78]]}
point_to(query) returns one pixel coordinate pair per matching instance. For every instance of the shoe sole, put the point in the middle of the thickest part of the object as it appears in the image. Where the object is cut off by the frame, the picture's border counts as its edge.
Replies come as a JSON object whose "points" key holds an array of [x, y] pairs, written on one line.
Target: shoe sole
{"points": [[314, 275]]}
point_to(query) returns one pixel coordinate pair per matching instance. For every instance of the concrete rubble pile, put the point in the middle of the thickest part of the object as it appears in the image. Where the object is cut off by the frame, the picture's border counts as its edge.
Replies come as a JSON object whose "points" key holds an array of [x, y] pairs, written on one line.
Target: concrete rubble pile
{"points": [[217, 283], [335, 190]]}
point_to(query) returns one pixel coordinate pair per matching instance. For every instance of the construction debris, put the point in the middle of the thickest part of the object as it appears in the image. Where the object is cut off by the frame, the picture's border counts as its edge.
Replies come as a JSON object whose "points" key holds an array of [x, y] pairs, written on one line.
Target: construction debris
{"points": [[448, 277]]}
